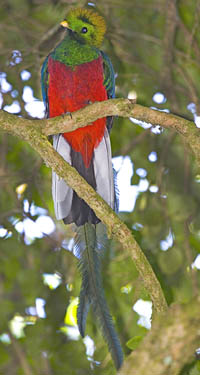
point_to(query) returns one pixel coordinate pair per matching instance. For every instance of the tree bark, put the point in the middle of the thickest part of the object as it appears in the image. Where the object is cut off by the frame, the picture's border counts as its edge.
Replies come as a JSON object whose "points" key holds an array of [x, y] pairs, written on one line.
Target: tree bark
{"points": [[169, 345], [113, 107], [174, 336]]}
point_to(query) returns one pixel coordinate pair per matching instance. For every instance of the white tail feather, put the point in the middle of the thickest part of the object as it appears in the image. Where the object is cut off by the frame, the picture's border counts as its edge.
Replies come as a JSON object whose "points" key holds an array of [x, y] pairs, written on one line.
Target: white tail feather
{"points": [[103, 170], [62, 194], [102, 161]]}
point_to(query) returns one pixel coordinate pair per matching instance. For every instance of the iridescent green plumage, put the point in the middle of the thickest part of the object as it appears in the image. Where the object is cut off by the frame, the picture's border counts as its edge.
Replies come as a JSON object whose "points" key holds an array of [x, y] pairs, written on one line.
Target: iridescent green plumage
{"points": [[73, 75], [89, 251], [79, 18], [70, 52]]}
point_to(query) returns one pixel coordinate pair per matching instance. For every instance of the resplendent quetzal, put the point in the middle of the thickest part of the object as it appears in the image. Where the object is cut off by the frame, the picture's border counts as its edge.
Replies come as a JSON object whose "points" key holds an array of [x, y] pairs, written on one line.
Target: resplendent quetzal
{"points": [[74, 75]]}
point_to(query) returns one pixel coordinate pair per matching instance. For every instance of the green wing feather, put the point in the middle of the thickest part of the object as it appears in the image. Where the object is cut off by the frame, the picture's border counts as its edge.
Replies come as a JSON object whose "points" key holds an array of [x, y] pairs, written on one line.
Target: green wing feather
{"points": [[109, 83], [109, 75], [45, 84], [89, 252]]}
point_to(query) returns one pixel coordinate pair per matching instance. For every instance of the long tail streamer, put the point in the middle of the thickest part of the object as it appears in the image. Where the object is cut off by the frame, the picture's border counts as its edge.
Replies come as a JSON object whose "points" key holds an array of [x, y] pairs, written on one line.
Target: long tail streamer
{"points": [[89, 249]]}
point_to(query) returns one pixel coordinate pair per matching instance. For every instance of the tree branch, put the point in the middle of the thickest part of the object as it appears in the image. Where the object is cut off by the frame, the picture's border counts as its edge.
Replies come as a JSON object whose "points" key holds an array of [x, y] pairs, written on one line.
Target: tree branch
{"points": [[30, 131], [113, 107], [169, 345], [35, 132]]}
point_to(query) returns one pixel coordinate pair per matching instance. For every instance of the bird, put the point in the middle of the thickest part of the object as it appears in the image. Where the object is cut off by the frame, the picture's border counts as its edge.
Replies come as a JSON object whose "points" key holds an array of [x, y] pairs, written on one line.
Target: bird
{"points": [[75, 74]]}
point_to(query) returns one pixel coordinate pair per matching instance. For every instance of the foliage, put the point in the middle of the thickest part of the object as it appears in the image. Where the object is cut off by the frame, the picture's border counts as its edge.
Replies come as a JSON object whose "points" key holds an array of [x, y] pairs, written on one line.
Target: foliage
{"points": [[154, 47]]}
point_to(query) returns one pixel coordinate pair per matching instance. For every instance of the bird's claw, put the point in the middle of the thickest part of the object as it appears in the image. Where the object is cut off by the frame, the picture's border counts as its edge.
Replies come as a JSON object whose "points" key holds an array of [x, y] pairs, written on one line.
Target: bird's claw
{"points": [[67, 113]]}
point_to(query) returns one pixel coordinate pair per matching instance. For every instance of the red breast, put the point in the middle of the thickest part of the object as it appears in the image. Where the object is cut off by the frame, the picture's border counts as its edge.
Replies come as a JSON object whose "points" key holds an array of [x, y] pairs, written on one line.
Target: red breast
{"points": [[72, 89]]}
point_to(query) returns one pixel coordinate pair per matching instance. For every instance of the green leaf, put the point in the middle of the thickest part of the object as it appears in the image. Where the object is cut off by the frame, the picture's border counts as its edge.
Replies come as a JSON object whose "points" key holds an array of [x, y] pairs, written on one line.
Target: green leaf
{"points": [[134, 342]]}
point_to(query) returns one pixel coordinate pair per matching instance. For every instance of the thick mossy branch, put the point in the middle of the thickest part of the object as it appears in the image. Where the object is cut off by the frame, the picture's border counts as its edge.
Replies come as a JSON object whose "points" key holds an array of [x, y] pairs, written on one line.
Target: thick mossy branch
{"points": [[35, 132], [112, 107], [30, 131], [169, 345]]}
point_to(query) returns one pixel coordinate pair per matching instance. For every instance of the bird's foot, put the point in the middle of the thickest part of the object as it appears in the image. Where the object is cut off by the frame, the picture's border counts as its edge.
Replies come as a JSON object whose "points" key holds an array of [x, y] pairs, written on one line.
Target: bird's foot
{"points": [[66, 113]]}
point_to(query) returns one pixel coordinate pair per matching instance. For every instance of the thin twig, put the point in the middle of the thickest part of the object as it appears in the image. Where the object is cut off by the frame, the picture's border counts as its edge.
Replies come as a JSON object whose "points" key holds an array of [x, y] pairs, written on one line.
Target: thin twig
{"points": [[21, 356]]}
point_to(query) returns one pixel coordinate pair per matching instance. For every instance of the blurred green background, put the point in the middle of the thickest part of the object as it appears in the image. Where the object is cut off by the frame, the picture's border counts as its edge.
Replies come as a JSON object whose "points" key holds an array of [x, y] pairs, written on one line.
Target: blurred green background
{"points": [[154, 48]]}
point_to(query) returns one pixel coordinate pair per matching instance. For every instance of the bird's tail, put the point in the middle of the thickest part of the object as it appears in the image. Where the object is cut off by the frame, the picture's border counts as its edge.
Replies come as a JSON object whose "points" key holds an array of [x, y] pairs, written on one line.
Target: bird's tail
{"points": [[88, 247]]}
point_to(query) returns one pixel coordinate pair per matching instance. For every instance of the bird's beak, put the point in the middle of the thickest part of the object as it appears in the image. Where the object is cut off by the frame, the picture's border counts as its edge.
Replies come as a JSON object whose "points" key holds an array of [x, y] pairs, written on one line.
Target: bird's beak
{"points": [[65, 24]]}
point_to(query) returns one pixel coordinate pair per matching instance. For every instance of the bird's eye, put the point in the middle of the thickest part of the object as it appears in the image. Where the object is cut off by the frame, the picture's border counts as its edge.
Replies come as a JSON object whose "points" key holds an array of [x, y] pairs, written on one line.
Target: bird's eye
{"points": [[84, 30]]}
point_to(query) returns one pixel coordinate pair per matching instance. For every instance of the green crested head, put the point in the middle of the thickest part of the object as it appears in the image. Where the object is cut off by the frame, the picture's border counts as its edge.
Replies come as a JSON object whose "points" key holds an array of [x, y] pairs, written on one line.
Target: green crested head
{"points": [[88, 26]]}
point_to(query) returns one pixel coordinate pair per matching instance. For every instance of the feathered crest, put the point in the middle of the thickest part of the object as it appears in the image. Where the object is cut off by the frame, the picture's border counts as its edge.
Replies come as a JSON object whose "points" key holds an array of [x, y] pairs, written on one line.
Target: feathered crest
{"points": [[91, 17]]}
